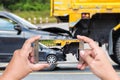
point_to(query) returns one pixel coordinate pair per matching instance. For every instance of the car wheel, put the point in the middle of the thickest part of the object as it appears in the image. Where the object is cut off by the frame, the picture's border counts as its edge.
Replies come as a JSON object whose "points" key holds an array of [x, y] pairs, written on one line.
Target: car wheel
{"points": [[51, 59]]}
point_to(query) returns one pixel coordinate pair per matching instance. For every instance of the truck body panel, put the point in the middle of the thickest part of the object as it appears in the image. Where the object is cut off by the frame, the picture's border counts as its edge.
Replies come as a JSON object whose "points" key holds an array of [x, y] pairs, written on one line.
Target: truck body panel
{"points": [[97, 19], [74, 8]]}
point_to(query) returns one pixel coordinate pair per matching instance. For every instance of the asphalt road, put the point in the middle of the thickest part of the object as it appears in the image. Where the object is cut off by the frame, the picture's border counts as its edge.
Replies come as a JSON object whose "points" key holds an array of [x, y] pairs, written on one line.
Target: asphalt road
{"points": [[62, 74], [66, 73]]}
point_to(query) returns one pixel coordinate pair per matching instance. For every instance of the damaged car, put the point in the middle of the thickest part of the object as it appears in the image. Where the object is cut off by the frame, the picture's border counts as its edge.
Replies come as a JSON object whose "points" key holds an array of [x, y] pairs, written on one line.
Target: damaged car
{"points": [[14, 30]]}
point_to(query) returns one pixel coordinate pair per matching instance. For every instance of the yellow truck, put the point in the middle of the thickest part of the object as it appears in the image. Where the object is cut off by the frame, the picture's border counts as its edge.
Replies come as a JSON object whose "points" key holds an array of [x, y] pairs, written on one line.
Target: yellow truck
{"points": [[97, 19]]}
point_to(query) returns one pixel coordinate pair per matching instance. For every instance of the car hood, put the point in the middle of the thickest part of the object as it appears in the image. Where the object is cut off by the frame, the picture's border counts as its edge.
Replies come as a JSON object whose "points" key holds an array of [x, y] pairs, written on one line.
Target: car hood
{"points": [[57, 30], [44, 34]]}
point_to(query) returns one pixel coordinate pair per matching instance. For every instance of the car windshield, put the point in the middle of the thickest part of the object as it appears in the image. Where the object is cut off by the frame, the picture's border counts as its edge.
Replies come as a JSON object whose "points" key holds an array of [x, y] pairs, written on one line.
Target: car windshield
{"points": [[23, 21]]}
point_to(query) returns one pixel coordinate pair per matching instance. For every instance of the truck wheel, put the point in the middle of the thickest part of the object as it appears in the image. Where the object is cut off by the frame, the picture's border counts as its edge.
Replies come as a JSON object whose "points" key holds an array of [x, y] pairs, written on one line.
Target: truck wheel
{"points": [[116, 55], [114, 58]]}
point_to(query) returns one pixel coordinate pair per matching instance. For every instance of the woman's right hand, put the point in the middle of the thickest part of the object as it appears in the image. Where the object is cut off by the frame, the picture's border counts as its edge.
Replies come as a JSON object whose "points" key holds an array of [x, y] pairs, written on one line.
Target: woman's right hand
{"points": [[97, 60]]}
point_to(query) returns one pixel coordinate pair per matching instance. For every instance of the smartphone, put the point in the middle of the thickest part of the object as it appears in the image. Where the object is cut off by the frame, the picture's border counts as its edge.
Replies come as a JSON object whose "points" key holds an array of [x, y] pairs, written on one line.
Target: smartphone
{"points": [[42, 43], [81, 47], [36, 51]]}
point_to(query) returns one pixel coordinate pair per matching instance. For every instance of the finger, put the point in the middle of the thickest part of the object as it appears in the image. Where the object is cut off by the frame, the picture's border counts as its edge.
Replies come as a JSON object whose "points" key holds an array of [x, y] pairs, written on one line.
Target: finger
{"points": [[86, 57], [31, 59], [26, 46], [30, 41], [31, 56], [82, 66], [36, 67], [27, 52], [90, 52], [16, 52], [32, 52], [91, 43]]}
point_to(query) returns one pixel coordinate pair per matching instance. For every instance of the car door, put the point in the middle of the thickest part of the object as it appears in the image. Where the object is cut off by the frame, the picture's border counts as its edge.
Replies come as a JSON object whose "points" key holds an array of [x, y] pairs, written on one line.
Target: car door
{"points": [[10, 38], [42, 52]]}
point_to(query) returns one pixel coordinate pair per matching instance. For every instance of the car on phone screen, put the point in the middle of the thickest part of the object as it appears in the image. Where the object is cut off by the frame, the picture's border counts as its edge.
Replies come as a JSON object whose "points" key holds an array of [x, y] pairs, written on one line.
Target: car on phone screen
{"points": [[14, 30], [51, 55]]}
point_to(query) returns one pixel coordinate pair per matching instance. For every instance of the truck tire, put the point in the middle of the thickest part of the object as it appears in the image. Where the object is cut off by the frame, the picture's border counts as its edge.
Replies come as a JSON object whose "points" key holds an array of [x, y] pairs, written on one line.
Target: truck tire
{"points": [[114, 58], [116, 55]]}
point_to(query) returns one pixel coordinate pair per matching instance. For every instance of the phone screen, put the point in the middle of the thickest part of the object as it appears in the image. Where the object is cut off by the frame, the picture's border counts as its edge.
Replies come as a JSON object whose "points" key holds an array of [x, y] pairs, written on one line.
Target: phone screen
{"points": [[57, 51]]}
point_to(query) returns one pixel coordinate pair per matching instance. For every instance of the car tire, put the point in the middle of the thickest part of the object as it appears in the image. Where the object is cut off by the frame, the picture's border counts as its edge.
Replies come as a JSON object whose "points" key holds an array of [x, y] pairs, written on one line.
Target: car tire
{"points": [[51, 59], [51, 68]]}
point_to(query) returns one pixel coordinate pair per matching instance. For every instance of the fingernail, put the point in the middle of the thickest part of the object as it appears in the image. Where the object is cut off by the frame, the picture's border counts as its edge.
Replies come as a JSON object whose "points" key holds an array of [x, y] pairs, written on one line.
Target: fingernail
{"points": [[82, 52], [78, 35], [79, 66]]}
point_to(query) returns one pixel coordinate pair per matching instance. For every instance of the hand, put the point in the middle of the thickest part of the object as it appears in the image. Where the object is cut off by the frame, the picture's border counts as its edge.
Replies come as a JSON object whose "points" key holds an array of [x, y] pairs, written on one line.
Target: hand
{"points": [[97, 60], [22, 62]]}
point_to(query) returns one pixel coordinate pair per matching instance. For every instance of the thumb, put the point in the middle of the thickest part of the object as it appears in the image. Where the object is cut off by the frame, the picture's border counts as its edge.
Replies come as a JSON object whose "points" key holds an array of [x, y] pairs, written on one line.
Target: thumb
{"points": [[36, 67], [86, 57]]}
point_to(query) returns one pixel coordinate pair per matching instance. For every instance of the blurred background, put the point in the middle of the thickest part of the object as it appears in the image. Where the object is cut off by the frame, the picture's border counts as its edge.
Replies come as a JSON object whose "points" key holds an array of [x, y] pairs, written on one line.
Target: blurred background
{"points": [[35, 11]]}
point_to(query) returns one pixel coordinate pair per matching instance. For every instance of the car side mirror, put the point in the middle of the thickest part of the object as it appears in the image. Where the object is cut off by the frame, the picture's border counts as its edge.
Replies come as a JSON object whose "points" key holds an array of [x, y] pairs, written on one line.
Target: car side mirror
{"points": [[18, 28]]}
